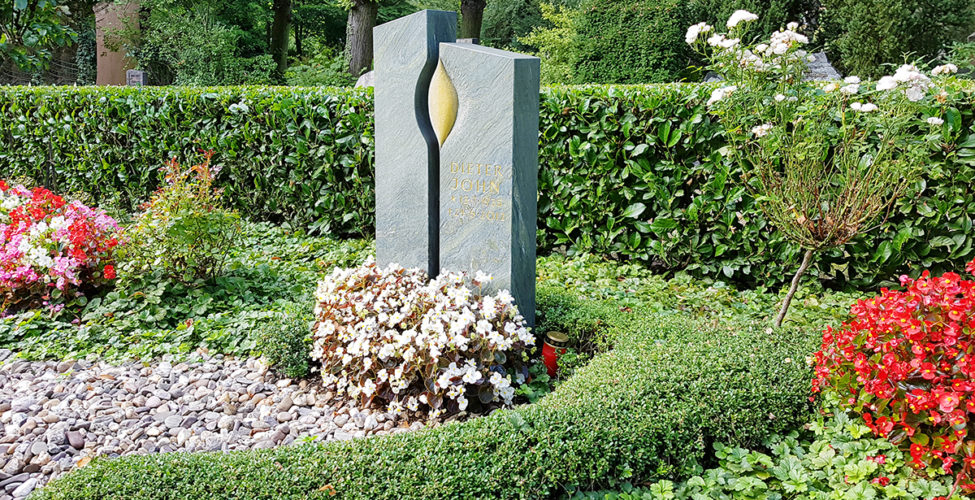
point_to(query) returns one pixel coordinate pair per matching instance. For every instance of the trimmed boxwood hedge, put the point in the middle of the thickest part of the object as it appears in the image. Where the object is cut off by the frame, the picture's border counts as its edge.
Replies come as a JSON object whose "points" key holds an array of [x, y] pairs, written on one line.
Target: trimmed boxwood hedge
{"points": [[628, 172], [650, 408]]}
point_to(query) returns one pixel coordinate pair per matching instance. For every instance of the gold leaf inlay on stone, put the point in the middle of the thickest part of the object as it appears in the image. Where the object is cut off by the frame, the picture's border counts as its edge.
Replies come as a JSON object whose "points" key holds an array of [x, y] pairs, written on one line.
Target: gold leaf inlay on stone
{"points": [[443, 103]]}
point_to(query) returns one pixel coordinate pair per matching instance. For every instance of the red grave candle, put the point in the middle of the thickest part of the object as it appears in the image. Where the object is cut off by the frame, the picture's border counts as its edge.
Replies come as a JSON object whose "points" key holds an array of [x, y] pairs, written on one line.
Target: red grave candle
{"points": [[554, 346]]}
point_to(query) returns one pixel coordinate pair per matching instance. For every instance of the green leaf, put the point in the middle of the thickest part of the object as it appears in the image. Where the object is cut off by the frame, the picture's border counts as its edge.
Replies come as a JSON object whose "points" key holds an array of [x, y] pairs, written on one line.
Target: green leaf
{"points": [[633, 211]]}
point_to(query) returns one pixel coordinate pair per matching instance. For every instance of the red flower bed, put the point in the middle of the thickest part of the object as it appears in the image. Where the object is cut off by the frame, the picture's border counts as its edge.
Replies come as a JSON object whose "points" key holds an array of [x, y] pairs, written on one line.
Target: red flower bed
{"points": [[905, 363]]}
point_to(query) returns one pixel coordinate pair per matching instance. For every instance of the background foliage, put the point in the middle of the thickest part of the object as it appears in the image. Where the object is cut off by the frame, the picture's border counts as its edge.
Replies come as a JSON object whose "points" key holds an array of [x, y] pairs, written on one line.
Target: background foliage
{"points": [[862, 36], [626, 172]]}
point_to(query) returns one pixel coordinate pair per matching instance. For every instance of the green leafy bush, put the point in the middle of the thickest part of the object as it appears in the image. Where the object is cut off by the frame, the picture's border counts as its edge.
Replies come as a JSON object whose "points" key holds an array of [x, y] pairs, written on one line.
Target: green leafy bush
{"points": [[632, 41], [184, 233], [651, 408], [327, 68], [841, 461], [633, 173], [861, 36], [285, 342]]}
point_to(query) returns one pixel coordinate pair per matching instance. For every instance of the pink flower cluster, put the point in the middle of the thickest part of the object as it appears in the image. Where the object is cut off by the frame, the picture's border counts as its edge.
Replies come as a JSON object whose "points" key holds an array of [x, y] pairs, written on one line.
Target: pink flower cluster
{"points": [[48, 243]]}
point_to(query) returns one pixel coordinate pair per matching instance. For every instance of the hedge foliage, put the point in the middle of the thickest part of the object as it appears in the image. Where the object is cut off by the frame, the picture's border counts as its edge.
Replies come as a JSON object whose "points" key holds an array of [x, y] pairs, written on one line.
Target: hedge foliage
{"points": [[288, 154], [633, 41], [651, 408], [628, 172]]}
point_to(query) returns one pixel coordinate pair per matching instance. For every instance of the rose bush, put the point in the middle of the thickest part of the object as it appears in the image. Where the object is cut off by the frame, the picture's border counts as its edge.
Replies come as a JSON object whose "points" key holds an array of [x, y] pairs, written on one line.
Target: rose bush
{"points": [[50, 247], [904, 362], [393, 336]]}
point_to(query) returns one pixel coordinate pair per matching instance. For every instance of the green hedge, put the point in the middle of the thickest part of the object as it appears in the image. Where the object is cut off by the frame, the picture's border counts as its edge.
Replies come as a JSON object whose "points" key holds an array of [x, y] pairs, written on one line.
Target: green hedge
{"points": [[628, 172], [649, 409], [299, 155]]}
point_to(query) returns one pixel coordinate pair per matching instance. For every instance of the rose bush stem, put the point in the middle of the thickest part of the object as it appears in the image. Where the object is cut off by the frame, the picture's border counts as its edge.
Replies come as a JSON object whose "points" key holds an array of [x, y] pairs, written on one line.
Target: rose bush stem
{"points": [[806, 260]]}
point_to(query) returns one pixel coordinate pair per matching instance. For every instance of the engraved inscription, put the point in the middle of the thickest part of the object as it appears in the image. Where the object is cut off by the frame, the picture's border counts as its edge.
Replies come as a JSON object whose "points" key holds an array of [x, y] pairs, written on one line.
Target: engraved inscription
{"points": [[475, 192]]}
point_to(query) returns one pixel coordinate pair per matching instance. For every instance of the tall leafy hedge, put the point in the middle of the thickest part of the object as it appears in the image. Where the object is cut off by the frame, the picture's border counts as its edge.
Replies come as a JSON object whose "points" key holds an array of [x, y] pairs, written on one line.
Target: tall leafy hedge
{"points": [[288, 154], [633, 41], [649, 409], [627, 172]]}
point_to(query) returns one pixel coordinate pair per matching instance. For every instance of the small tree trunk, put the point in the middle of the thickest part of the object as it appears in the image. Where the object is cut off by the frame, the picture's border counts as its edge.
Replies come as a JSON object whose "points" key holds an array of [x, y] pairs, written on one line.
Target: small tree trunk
{"points": [[471, 16], [358, 36], [280, 34], [298, 36], [806, 260]]}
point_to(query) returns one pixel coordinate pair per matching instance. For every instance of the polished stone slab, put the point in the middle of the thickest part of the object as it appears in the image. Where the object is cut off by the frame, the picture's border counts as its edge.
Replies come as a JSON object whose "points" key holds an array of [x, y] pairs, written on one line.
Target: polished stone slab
{"points": [[407, 176], [489, 165]]}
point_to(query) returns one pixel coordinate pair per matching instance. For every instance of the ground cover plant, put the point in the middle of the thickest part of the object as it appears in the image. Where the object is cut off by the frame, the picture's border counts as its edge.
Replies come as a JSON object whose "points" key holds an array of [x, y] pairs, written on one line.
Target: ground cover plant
{"points": [[268, 282]]}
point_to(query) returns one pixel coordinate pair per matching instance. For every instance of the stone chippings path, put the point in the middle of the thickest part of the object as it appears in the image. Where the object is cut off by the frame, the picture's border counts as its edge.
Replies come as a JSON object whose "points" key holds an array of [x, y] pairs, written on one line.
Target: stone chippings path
{"points": [[55, 416]]}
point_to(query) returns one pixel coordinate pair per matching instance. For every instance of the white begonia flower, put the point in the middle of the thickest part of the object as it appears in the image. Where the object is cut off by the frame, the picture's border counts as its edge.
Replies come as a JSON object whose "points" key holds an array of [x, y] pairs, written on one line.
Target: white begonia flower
{"points": [[472, 377], [935, 121], [779, 97], [850, 89], [831, 87], [886, 83], [792, 26], [462, 403], [762, 130], [810, 58], [856, 106], [695, 31], [741, 16], [868, 107], [852, 79], [945, 69], [716, 40]]}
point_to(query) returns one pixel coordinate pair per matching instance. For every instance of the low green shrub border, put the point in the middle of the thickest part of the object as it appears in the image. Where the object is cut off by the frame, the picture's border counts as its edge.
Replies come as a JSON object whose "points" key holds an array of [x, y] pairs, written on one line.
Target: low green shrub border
{"points": [[631, 172], [649, 409]]}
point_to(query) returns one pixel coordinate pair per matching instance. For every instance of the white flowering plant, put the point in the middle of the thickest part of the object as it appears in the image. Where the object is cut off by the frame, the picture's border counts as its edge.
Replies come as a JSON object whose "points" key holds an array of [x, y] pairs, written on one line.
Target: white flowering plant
{"points": [[393, 338], [824, 160]]}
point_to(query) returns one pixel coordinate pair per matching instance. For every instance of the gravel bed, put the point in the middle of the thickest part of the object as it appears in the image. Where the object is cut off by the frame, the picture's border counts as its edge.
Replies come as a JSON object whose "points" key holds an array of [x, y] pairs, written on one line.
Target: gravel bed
{"points": [[55, 416]]}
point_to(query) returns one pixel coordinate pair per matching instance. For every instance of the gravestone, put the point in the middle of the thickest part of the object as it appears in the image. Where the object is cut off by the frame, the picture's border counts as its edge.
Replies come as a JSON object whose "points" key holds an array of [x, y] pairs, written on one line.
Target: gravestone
{"points": [[135, 78], [477, 114]]}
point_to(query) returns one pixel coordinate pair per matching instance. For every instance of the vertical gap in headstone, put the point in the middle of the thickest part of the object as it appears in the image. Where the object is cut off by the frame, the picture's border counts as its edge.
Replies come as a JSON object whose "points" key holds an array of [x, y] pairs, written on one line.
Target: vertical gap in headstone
{"points": [[421, 108]]}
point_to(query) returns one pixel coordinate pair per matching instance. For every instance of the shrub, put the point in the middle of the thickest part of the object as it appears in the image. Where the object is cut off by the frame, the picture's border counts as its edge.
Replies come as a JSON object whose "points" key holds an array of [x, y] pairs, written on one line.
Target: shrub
{"points": [[632, 41], [649, 409], [826, 162], [285, 342], [557, 46], [184, 232], [51, 248], [902, 362], [862, 36], [396, 337], [325, 68]]}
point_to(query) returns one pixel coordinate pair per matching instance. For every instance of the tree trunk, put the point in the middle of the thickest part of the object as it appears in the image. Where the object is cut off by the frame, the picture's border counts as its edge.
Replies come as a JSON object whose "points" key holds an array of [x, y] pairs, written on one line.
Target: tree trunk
{"points": [[806, 260], [358, 36], [471, 15], [298, 35], [280, 34]]}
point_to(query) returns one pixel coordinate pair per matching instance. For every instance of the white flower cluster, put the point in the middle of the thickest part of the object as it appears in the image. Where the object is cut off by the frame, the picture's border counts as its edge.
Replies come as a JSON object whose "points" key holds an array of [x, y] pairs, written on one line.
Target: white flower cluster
{"points": [[696, 31], [779, 53], [394, 336], [741, 16], [914, 82]]}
